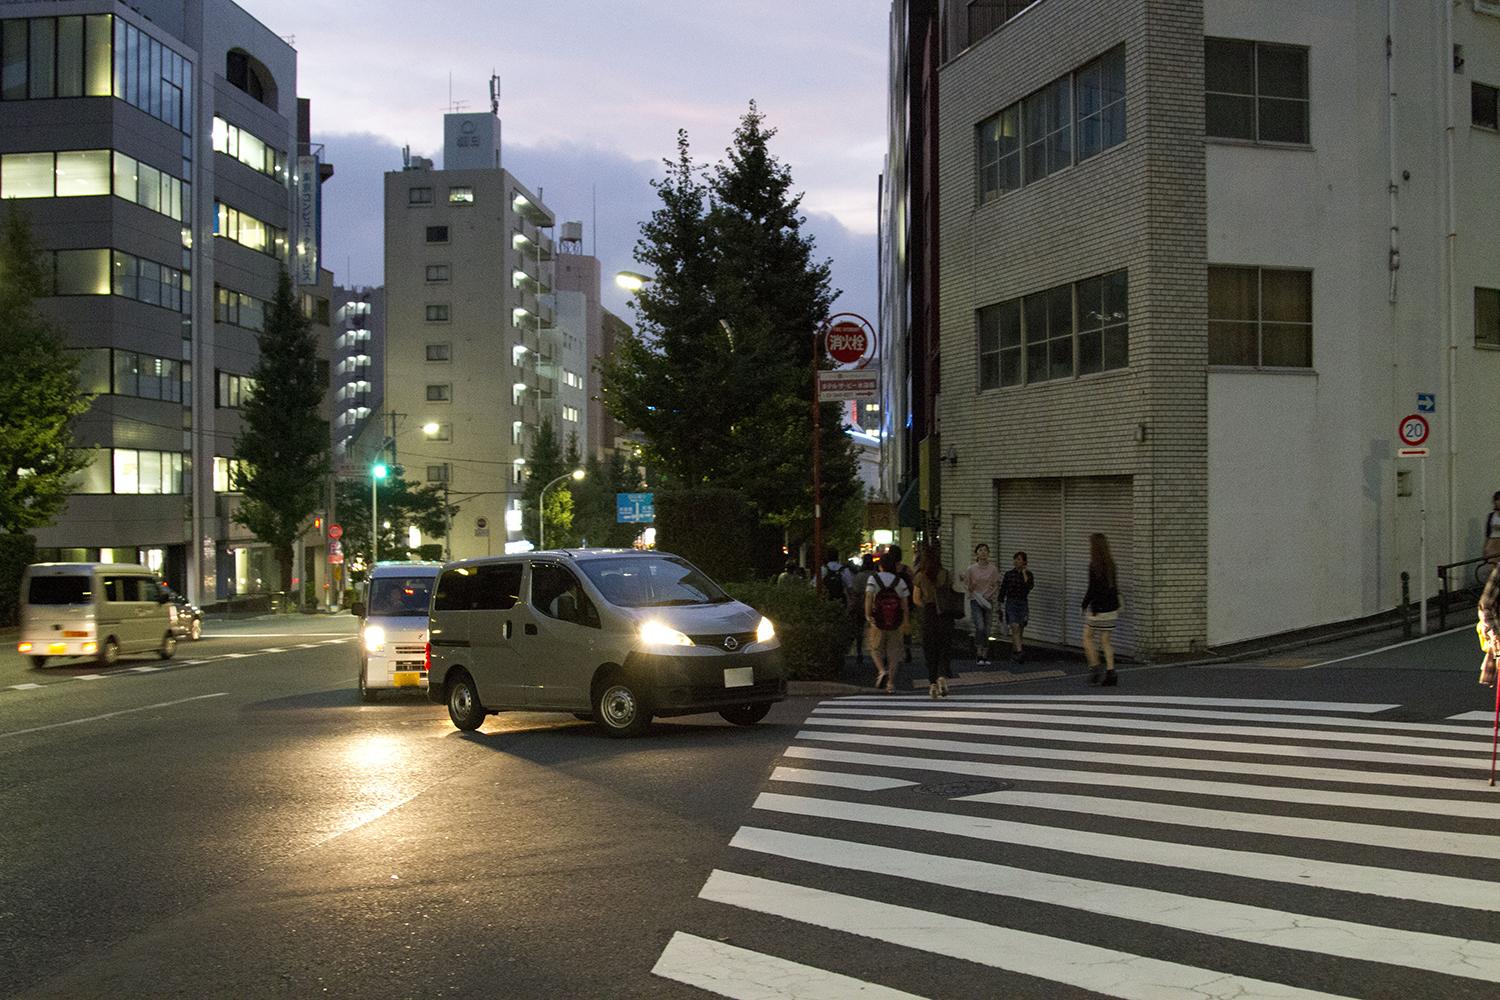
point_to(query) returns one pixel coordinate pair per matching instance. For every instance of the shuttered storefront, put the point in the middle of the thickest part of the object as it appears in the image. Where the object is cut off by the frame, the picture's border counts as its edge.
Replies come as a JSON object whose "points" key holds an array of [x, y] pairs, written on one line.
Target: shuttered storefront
{"points": [[1051, 519]]}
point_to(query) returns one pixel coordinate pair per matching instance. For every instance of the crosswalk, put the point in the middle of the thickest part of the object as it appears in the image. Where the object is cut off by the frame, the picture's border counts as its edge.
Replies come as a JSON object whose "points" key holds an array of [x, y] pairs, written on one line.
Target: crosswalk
{"points": [[1125, 846]]}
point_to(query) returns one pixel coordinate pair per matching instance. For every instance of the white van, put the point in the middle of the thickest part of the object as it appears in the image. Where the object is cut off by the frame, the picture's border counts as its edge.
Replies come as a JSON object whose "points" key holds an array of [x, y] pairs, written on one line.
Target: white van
{"points": [[393, 626], [103, 610]]}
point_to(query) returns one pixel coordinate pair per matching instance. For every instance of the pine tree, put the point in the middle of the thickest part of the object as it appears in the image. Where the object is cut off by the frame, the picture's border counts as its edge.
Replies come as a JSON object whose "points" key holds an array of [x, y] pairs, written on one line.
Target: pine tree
{"points": [[285, 440], [401, 502], [544, 463], [39, 393]]}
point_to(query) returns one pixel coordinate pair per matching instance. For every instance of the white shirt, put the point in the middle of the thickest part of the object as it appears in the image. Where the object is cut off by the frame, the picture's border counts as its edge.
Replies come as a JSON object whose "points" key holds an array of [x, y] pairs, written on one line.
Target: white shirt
{"points": [[882, 579]]}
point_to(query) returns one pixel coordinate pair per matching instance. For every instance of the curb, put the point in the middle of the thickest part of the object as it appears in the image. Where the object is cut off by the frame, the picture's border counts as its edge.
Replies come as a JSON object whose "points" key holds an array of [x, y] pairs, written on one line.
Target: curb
{"points": [[1301, 644]]}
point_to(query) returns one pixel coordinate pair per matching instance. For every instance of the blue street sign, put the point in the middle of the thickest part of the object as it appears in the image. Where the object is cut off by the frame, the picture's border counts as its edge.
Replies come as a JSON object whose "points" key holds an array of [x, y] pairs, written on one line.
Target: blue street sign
{"points": [[1426, 402], [635, 508]]}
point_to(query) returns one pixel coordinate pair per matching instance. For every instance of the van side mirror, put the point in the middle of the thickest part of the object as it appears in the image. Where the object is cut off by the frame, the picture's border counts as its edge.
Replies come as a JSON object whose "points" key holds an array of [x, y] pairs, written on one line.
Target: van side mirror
{"points": [[357, 609]]}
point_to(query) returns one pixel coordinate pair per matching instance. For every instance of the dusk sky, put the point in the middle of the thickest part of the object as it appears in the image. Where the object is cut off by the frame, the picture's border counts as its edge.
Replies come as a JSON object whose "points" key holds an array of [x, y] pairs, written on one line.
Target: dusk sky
{"points": [[592, 99]]}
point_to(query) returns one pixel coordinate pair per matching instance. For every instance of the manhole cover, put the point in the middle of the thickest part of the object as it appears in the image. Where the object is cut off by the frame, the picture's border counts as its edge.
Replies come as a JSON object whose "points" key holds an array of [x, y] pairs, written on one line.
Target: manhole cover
{"points": [[963, 786]]}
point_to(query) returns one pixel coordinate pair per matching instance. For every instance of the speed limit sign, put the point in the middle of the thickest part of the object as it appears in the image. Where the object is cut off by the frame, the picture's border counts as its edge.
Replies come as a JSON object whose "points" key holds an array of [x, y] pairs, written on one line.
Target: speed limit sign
{"points": [[1413, 430]]}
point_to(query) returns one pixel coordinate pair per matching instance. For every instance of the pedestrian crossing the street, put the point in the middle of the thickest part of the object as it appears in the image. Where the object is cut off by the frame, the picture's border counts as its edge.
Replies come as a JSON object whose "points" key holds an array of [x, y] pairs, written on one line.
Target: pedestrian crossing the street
{"points": [[1126, 846]]}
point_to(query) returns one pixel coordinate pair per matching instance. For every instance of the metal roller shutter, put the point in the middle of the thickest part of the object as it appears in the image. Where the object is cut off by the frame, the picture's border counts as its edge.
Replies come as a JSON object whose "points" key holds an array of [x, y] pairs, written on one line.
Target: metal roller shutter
{"points": [[1030, 518], [1100, 503]]}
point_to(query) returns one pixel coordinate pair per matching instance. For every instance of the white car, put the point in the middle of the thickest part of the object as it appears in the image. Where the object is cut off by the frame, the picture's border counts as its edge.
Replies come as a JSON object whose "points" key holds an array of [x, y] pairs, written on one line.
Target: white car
{"points": [[393, 627]]}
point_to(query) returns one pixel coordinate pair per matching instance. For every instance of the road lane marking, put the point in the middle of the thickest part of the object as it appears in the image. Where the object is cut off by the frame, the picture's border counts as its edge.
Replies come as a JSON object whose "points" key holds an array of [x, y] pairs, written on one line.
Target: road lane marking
{"points": [[1234, 921], [1384, 649], [278, 635], [1483, 715], [838, 779], [1348, 775], [25, 687], [1444, 890], [89, 677], [308, 645], [1486, 808], [1095, 738], [1087, 966], [273, 649], [145, 670], [234, 656], [728, 971], [1160, 726], [111, 715], [1115, 700]]}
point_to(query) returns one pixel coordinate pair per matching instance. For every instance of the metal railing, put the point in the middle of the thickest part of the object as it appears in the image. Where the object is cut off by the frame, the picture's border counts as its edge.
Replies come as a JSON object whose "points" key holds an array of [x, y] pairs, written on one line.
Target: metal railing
{"points": [[1463, 579]]}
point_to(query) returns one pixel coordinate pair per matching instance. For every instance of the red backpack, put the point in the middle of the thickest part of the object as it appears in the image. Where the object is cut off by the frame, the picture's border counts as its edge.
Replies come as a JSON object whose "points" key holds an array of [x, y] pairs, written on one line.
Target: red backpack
{"points": [[887, 607]]}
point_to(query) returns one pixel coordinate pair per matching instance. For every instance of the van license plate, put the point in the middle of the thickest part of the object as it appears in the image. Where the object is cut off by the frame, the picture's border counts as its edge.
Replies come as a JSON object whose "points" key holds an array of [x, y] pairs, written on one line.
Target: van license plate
{"points": [[406, 678], [739, 677]]}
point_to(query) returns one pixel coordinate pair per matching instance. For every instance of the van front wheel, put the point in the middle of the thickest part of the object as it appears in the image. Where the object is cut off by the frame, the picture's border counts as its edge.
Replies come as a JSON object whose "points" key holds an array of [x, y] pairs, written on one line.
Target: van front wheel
{"points": [[745, 715], [619, 709], [109, 653], [463, 702], [168, 646]]}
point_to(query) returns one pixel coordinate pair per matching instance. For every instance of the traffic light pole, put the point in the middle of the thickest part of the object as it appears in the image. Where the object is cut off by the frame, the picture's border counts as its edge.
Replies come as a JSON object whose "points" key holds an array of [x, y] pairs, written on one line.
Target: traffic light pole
{"points": [[374, 520]]}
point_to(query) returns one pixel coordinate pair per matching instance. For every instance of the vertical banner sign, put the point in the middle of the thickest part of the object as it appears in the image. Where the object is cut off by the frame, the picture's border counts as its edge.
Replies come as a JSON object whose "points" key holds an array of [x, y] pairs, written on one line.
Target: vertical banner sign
{"points": [[308, 215]]}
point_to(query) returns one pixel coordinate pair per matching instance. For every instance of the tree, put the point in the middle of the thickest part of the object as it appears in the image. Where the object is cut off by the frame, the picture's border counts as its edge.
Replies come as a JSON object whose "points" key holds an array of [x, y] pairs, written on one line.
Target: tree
{"points": [[400, 502], [594, 502], [40, 398], [284, 444], [544, 463]]}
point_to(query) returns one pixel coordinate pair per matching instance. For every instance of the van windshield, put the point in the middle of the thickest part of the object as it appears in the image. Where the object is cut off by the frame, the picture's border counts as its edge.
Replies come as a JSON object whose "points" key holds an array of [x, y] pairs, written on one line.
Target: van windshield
{"points": [[651, 582], [399, 596], [59, 590]]}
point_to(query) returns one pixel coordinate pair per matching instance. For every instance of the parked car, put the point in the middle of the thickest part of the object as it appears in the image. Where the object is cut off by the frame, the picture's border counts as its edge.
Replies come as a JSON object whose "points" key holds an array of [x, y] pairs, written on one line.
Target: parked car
{"points": [[187, 617], [102, 610], [393, 626], [616, 636]]}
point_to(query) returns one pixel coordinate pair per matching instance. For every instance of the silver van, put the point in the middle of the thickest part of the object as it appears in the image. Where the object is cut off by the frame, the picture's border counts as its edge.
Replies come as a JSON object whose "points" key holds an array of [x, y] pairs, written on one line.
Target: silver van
{"points": [[102, 610], [393, 626], [617, 636]]}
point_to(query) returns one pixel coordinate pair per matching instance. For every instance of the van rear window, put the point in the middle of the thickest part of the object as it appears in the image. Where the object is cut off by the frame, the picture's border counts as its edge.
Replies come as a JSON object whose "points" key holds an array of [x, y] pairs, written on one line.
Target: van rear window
{"points": [[59, 590]]}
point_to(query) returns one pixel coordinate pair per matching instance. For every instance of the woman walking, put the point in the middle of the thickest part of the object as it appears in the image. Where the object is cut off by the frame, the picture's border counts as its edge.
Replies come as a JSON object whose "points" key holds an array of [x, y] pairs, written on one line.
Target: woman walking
{"points": [[982, 583], [1492, 531], [1101, 609], [1014, 588], [930, 593]]}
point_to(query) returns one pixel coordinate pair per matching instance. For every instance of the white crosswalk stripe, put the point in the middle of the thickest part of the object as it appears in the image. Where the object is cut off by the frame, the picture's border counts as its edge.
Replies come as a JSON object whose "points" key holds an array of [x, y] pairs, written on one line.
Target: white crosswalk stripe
{"points": [[999, 830]]}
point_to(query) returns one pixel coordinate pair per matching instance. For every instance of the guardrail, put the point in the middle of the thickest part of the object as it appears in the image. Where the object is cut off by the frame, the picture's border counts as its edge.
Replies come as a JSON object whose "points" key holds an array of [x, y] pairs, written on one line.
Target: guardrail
{"points": [[1465, 577]]}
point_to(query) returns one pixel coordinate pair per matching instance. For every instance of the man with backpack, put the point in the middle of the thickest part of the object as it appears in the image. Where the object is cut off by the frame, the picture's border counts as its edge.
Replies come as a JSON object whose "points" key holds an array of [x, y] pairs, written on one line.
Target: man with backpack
{"points": [[837, 577], [887, 609]]}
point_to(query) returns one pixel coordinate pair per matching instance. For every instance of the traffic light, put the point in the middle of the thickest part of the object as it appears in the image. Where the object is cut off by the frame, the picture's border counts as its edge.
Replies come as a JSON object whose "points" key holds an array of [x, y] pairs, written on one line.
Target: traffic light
{"points": [[379, 469]]}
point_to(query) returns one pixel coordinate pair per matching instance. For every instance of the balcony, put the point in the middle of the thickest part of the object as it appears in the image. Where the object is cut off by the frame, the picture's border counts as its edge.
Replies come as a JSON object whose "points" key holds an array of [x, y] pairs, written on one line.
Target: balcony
{"points": [[530, 211], [544, 245], [547, 317]]}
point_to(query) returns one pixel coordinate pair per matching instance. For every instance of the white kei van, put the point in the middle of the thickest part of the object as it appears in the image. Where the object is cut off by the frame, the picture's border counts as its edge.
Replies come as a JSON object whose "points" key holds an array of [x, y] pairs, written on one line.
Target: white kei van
{"points": [[102, 610], [393, 626]]}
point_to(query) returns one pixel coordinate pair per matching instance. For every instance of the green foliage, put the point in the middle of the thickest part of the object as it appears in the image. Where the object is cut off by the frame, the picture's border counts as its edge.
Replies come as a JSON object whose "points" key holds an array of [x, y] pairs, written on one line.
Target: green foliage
{"points": [[544, 462], [39, 394], [16, 553], [594, 502], [708, 527], [285, 440], [401, 502], [815, 633]]}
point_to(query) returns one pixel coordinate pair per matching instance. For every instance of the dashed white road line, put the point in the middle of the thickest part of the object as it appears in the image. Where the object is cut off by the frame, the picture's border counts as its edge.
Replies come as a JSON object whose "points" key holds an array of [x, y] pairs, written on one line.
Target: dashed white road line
{"points": [[838, 779], [111, 715], [25, 687], [89, 677], [728, 971], [145, 670]]}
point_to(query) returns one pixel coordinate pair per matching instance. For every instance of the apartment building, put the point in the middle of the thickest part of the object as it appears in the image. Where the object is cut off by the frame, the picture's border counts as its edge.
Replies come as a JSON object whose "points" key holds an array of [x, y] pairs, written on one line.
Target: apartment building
{"points": [[1199, 259], [154, 148], [357, 355]]}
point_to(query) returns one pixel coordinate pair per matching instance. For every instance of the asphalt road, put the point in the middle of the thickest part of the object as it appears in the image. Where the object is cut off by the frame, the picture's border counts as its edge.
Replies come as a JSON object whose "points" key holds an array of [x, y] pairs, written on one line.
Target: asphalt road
{"points": [[241, 826]]}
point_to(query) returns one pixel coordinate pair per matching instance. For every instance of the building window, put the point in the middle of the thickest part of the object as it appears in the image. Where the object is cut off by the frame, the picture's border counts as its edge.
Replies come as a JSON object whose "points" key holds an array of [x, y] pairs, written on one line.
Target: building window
{"points": [[147, 472], [315, 308], [83, 272], [516, 428], [1047, 331], [570, 413], [1482, 106], [437, 234], [439, 352], [517, 471], [1487, 317], [249, 232], [572, 379], [229, 473], [1103, 323], [251, 150], [984, 16], [1047, 122], [233, 391], [1259, 317], [239, 309], [437, 473], [1255, 91], [999, 155], [1000, 344], [1062, 332], [437, 274], [460, 196], [437, 313], [444, 432], [148, 377], [439, 393], [419, 196], [94, 56], [1100, 114]]}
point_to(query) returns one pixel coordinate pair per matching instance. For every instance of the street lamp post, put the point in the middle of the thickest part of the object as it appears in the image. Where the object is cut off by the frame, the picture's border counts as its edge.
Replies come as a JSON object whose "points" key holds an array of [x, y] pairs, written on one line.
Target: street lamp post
{"points": [[377, 473], [541, 505]]}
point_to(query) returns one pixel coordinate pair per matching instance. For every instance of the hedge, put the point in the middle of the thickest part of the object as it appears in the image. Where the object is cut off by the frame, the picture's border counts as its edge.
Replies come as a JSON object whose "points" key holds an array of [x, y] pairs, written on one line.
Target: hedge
{"points": [[709, 527], [815, 632], [16, 553]]}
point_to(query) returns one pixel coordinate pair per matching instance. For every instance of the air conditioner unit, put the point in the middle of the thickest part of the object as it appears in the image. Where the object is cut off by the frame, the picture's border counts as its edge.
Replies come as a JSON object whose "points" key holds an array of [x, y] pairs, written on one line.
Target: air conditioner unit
{"points": [[1490, 7]]}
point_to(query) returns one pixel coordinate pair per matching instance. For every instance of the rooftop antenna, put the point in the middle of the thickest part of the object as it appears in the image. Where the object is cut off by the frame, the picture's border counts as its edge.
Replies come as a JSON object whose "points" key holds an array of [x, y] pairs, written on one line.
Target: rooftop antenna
{"points": [[406, 157], [453, 106], [494, 93]]}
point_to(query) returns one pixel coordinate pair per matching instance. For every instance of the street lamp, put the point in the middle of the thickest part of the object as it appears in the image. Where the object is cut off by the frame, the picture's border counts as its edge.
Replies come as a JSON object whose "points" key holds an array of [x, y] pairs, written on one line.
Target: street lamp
{"points": [[631, 281], [431, 428], [377, 473], [541, 505]]}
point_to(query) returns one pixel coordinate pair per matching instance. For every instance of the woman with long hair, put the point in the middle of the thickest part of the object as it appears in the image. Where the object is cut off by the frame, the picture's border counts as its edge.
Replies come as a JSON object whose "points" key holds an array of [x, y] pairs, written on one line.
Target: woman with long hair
{"points": [[1101, 610], [931, 592]]}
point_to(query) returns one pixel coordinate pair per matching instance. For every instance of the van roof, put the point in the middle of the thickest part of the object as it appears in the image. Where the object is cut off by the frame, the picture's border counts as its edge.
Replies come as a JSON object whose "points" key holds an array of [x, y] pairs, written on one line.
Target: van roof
{"points": [[578, 555], [77, 568], [384, 569]]}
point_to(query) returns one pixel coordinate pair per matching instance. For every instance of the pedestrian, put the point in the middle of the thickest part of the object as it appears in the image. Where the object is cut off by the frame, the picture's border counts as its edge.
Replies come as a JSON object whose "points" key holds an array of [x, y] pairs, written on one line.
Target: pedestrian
{"points": [[887, 614], [982, 585], [856, 605], [932, 587], [788, 576], [1101, 609], [1014, 588], [1492, 530], [909, 578], [1489, 627], [837, 577]]}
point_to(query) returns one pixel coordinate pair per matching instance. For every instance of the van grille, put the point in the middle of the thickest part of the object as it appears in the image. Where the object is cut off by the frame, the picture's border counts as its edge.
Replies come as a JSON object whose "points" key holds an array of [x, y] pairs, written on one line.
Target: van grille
{"points": [[716, 639]]}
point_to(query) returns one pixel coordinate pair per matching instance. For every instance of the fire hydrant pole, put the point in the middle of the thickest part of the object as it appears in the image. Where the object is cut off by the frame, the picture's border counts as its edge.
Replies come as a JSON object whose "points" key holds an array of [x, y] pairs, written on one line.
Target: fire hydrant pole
{"points": [[817, 468]]}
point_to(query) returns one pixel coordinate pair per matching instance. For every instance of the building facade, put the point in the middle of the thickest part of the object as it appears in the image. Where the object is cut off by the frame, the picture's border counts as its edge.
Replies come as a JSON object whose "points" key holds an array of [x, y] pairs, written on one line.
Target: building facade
{"points": [[1199, 259], [153, 148], [357, 354], [580, 329]]}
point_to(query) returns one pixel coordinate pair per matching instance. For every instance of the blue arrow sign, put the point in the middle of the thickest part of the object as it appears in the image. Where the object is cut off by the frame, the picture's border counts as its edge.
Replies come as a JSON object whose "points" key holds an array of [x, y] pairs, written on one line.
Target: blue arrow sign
{"points": [[635, 508], [1426, 402]]}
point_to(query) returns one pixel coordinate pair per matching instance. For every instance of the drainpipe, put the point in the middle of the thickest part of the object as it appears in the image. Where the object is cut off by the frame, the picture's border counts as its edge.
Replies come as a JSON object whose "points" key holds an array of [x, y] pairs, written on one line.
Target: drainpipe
{"points": [[1394, 261], [1450, 425]]}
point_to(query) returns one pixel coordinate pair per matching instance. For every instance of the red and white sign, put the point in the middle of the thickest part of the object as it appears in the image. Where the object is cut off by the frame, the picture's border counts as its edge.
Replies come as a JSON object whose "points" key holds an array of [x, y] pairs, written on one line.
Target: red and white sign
{"points": [[1413, 430], [335, 552], [335, 532], [1412, 452], [849, 340]]}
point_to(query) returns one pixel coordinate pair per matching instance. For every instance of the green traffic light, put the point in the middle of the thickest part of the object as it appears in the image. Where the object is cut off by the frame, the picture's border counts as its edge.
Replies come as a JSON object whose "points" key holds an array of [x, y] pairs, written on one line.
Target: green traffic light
{"points": [[378, 470]]}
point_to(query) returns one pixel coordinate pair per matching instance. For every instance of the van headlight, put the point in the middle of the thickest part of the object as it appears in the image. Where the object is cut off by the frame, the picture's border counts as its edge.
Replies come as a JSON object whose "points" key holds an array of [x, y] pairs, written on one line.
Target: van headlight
{"points": [[765, 631], [374, 638], [657, 634]]}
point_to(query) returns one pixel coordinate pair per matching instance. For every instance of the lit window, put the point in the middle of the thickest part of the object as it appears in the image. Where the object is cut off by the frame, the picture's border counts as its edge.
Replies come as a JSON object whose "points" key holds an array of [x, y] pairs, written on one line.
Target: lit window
{"points": [[570, 413], [82, 173], [26, 175], [460, 196]]}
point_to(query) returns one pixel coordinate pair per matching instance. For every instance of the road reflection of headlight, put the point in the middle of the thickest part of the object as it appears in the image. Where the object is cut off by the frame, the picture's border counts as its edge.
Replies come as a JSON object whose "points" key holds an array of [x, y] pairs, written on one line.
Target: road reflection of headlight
{"points": [[374, 638], [374, 752]]}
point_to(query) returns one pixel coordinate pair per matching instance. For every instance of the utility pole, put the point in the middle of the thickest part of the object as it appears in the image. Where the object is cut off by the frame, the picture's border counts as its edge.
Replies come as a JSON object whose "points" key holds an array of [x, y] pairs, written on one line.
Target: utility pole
{"points": [[817, 469]]}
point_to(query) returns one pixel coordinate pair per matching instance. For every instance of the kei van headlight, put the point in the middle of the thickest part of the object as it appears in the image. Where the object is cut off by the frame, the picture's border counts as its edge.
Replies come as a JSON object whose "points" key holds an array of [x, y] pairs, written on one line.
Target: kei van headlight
{"points": [[765, 631], [374, 638], [657, 634]]}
